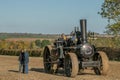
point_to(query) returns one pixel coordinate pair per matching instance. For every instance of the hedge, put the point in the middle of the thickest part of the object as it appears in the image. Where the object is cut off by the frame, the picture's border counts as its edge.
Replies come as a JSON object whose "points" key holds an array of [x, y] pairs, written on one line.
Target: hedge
{"points": [[113, 53], [15, 52]]}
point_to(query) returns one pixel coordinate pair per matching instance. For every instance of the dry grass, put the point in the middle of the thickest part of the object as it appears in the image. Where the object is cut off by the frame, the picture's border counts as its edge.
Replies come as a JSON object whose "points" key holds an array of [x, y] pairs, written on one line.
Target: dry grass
{"points": [[9, 71]]}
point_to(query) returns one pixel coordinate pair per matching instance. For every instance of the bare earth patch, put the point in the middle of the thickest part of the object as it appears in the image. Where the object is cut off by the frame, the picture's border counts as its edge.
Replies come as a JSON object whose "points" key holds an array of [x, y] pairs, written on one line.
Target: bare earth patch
{"points": [[9, 71]]}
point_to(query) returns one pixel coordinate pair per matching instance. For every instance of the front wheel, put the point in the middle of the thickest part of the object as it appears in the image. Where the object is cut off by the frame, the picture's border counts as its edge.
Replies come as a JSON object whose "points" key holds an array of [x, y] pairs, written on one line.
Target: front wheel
{"points": [[71, 65], [104, 66]]}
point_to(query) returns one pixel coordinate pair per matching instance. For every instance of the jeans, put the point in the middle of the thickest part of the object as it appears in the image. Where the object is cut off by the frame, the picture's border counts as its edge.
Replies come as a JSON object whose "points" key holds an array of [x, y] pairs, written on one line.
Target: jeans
{"points": [[23, 68]]}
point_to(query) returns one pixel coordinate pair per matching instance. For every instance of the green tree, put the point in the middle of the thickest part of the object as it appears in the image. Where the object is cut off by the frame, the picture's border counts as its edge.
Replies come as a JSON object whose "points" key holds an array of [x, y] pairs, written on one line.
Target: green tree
{"points": [[113, 29], [38, 43], [32, 45], [111, 10], [45, 42], [3, 44]]}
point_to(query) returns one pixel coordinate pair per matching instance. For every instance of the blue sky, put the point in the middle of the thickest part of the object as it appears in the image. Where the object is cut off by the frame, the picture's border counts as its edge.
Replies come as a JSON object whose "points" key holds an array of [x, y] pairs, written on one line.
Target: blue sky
{"points": [[50, 16]]}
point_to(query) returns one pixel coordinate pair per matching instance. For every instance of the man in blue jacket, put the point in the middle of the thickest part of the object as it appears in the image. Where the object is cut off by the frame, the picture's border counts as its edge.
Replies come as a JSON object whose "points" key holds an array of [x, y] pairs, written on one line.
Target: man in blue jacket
{"points": [[24, 60]]}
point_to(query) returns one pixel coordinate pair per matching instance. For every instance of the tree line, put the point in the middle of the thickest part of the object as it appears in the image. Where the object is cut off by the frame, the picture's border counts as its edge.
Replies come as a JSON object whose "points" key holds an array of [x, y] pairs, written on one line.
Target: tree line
{"points": [[13, 48], [26, 35], [4, 44]]}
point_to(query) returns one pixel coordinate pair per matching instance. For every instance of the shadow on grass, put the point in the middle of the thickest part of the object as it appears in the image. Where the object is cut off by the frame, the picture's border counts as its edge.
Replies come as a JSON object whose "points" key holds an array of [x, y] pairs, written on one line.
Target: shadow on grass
{"points": [[59, 73], [86, 73], [37, 70], [13, 71]]}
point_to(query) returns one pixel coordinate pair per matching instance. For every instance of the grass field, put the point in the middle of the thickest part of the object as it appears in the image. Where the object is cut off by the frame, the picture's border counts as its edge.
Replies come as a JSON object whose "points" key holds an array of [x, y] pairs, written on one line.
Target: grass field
{"points": [[9, 71]]}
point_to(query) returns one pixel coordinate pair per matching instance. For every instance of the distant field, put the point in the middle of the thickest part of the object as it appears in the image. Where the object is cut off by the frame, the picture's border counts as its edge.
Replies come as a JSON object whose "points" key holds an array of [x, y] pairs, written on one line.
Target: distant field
{"points": [[29, 39]]}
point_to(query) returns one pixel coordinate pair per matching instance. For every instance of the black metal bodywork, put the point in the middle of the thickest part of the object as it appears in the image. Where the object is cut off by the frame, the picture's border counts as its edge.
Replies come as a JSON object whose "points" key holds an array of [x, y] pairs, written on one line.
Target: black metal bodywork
{"points": [[74, 55], [84, 51]]}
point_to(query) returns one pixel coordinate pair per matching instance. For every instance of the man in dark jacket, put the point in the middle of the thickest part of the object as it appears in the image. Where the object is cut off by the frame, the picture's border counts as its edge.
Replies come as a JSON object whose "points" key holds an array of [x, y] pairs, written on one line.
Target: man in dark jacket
{"points": [[24, 60]]}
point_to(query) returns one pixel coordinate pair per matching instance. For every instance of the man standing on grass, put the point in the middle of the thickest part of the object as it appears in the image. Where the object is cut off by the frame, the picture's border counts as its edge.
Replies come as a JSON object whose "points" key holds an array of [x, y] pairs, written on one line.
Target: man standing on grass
{"points": [[24, 60]]}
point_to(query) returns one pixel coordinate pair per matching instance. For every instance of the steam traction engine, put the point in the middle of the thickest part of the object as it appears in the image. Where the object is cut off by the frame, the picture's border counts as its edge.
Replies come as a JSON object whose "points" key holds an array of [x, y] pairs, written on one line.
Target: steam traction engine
{"points": [[74, 56]]}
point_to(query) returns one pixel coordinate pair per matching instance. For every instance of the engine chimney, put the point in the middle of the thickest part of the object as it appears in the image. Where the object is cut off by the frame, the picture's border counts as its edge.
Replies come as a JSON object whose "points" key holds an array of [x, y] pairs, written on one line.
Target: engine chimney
{"points": [[83, 30]]}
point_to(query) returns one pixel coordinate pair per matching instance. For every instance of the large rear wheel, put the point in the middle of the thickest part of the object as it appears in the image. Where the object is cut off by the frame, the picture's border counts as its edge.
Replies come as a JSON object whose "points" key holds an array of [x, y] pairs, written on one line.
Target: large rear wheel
{"points": [[71, 65], [104, 65], [47, 59]]}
